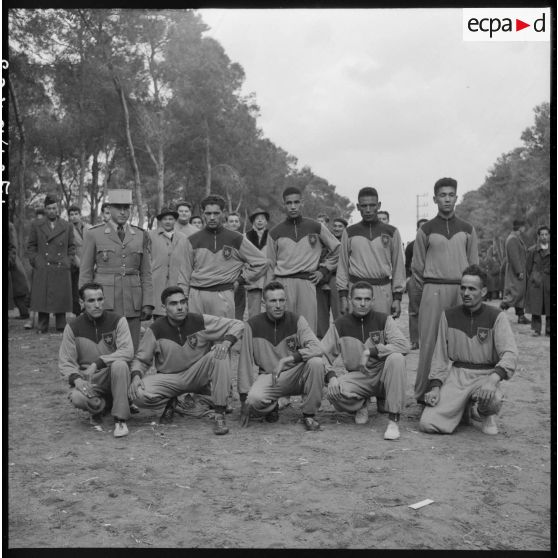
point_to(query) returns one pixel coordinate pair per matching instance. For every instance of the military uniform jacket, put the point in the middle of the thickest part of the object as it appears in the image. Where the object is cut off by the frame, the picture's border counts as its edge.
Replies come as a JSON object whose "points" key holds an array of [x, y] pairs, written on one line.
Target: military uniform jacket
{"points": [[294, 248], [443, 249], [176, 348], [350, 335], [266, 341], [476, 340], [122, 268], [101, 341], [371, 251], [50, 252]]}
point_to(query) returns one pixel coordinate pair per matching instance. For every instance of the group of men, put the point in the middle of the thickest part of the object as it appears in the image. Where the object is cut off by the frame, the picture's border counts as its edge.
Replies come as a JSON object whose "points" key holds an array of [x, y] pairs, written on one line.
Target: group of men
{"points": [[293, 274]]}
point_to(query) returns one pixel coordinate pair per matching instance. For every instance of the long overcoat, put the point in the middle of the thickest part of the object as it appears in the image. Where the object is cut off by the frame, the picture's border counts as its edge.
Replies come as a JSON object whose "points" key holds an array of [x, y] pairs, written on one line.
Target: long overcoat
{"points": [[168, 258], [18, 286], [51, 252], [537, 300], [516, 255]]}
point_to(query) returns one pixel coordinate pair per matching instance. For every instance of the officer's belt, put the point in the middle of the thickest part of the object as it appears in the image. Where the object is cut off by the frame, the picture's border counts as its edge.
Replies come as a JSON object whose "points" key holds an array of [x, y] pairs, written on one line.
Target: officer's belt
{"points": [[473, 365], [216, 288], [116, 271], [372, 281], [299, 275], [439, 281]]}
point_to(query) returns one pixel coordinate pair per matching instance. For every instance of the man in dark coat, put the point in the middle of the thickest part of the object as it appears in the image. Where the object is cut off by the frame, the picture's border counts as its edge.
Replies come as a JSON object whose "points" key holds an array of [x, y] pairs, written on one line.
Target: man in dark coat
{"points": [[537, 268], [51, 250], [18, 287], [514, 290]]}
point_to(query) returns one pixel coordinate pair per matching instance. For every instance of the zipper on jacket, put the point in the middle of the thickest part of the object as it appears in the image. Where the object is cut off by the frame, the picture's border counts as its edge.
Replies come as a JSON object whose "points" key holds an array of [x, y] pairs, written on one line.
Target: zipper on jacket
{"points": [[180, 335], [362, 328], [296, 231]]}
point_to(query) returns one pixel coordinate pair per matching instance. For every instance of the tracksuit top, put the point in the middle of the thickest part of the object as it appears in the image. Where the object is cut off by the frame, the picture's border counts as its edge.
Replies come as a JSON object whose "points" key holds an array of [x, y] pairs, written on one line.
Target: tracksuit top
{"points": [[371, 251], [215, 259], [350, 335], [294, 248], [480, 340], [101, 341], [266, 341], [443, 249], [176, 348]]}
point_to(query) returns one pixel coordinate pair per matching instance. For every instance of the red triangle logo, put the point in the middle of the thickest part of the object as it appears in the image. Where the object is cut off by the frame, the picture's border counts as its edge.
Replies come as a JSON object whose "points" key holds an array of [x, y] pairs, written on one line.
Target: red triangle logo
{"points": [[519, 25]]}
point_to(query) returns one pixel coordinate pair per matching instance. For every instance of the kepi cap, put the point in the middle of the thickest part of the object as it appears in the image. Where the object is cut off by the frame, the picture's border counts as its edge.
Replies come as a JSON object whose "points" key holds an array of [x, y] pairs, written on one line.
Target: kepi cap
{"points": [[120, 196]]}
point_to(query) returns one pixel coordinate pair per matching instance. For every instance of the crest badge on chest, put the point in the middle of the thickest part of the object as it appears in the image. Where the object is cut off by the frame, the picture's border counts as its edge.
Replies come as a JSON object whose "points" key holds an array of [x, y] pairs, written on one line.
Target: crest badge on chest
{"points": [[227, 252], [385, 239], [291, 343], [483, 334], [108, 338], [192, 341], [375, 337], [313, 239]]}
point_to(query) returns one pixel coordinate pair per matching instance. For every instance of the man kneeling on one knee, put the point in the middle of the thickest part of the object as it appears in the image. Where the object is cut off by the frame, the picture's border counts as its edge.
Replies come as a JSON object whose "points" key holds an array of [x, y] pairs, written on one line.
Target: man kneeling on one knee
{"points": [[94, 355], [475, 349], [191, 354], [279, 356], [372, 349]]}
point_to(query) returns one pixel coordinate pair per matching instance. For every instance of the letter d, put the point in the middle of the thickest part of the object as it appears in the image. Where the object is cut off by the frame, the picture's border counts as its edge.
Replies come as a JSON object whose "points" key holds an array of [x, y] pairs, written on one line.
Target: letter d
{"points": [[535, 25]]}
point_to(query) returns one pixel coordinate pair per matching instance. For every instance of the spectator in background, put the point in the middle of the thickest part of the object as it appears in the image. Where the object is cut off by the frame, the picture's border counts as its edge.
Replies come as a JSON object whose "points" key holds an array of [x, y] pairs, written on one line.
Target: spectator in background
{"points": [[516, 255], [492, 268], [30, 324], [79, 228], [258, 237], [233, 224], [18, 287], [537, 267], [105, 213], [184, 223], [383, 217], [413, 292], [197, 222]]}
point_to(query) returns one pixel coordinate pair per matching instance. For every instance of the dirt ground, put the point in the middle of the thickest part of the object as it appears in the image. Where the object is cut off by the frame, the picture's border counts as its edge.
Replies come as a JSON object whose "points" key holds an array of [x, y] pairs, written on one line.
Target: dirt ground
{"points": [[275, 485]]}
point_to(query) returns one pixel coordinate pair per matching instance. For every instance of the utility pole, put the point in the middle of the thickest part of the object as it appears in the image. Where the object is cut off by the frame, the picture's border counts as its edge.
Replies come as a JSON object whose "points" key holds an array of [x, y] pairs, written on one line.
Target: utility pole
{"points": [[423, 214]]}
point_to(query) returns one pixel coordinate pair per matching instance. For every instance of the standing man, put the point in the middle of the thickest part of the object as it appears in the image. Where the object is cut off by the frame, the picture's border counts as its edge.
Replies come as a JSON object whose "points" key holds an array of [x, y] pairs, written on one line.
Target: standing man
{"points": [[294, 248], [537, 300], [515, 282], [18, 287], [51, 250], [372, 350], [372, 251], [117, 255], [168, 256], [215, 258], [413, 292], [93, 357], [475, 349], [383, 217], [183, 225], [79, 228], [233, 224], [258, 237], [191, 354], [444, 247], [280, 356], [105, 213]]}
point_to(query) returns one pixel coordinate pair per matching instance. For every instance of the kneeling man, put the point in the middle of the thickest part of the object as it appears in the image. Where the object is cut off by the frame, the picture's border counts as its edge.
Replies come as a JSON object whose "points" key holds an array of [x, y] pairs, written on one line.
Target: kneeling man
{"points": [[372, 350], [284, 355], [191, 355], [94, 355], [475, 349]]}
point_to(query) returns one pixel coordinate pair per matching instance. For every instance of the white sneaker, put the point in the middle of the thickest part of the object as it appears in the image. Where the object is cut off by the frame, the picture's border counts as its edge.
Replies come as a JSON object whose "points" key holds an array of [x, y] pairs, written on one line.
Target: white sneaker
{"points": [[392, 431], [361, 416], [489, 425], [120, 429]]}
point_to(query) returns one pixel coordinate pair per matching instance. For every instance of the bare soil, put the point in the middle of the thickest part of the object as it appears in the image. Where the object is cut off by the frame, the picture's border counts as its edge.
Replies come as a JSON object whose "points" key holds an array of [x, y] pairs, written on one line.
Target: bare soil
{"points": [[275, 485]]}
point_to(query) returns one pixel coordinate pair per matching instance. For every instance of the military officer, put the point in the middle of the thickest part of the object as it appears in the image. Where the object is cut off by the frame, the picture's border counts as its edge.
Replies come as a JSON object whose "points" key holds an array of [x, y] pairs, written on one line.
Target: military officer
{"points": [[116, 255]]}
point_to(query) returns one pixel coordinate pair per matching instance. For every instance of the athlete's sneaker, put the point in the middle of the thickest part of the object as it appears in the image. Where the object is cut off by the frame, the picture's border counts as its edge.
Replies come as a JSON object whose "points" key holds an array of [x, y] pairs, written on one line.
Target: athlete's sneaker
{"points": [[392, 431], [168, 414], [120, 429], [489, 425], [361, 416], [311, 424], [220, 426]]}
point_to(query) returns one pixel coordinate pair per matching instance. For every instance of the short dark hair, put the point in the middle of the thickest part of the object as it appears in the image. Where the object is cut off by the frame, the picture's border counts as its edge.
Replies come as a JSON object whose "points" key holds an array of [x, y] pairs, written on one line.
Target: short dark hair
{"points": [[181, 203], [475, 269], [213, 199], [324, 215], [341, 220], [367, 191], [517, 224], [421, 221], [74, 208], [104, 206], [39, 211], [362, 285], [173, 289], [384, 212], [233, 213], [273, 286], [92, 286], [543, 228], [443, 182], [196, 217], [289, 191]]}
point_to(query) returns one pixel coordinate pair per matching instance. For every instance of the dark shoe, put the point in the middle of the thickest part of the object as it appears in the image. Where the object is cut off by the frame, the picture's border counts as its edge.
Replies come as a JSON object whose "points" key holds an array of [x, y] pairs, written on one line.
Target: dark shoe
{"points": [[134, 409], [60, 330], [536, 334], [168, 414], [381, 405], [414, 346], [96, 420], [523, 320], [220, 426], [274, 415], [311, 424]]}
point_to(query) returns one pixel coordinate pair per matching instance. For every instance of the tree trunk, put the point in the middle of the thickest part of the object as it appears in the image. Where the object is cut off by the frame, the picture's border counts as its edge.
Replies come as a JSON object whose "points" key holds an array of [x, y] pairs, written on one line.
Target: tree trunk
{"points": [[94, 199], [207, 160], [20, 221], [82, 159]]}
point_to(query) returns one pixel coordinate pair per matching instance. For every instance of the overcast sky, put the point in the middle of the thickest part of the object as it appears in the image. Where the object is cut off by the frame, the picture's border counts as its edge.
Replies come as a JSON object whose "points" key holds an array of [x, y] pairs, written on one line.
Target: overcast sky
{"points": [[393, 99]]}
